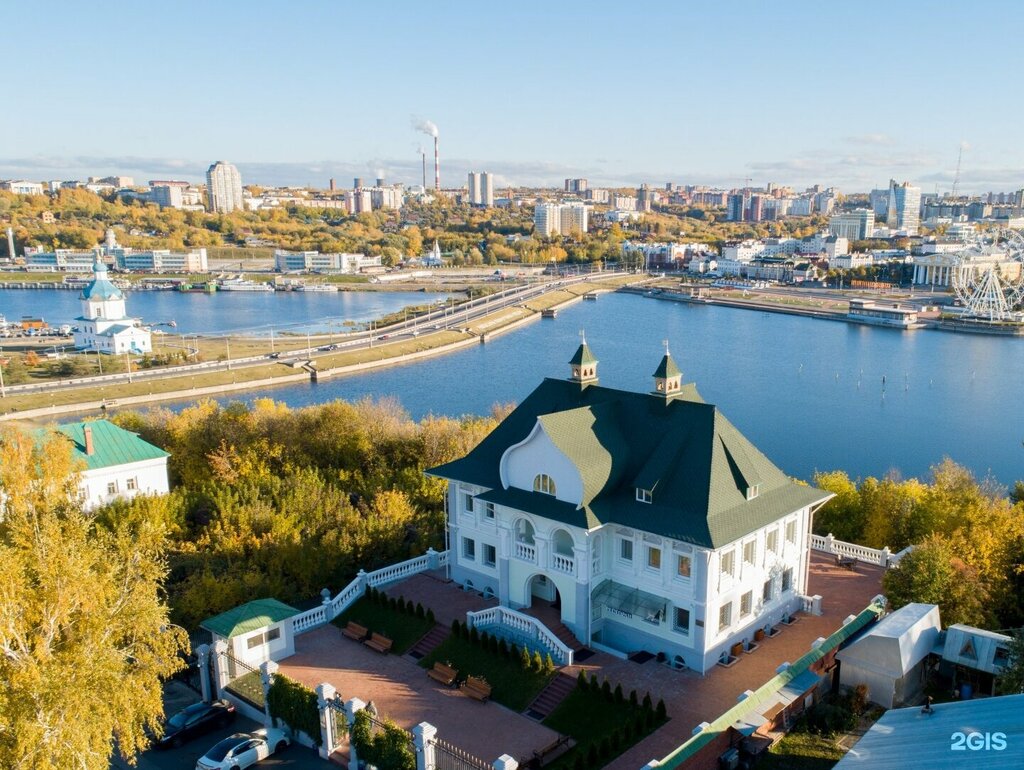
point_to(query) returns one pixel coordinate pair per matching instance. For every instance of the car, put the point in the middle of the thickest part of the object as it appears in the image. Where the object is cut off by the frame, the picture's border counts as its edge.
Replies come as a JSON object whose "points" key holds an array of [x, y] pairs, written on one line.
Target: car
{"points": [[243, 750], [195, 720]]}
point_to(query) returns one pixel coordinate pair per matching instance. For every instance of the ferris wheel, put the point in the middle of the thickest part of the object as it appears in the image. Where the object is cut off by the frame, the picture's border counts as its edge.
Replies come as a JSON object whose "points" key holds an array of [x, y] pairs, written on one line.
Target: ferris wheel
{"points": [[988, 276]]}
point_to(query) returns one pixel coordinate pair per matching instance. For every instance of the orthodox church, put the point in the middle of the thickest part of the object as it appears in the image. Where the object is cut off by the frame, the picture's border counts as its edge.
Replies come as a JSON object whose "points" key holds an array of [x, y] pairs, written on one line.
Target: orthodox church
{"points": [[103, 325]]}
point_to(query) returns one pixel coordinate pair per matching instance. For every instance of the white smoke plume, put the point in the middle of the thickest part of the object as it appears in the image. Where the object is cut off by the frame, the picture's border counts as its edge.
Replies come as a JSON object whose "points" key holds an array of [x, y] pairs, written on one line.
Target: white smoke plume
{"points": [[425, 126]]}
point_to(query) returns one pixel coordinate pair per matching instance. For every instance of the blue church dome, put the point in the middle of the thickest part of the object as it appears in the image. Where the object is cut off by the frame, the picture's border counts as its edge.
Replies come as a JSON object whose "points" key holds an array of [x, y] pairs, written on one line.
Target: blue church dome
{"points": [[100, 288]]}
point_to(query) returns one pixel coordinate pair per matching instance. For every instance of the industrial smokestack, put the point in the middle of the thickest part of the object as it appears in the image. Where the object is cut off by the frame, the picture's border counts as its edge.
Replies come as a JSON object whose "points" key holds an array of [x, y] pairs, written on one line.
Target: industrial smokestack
{"points": [[332, 184], [380, 181], [357, 183], [428, 128], [424, 154], [437, 166], [10, 243]]}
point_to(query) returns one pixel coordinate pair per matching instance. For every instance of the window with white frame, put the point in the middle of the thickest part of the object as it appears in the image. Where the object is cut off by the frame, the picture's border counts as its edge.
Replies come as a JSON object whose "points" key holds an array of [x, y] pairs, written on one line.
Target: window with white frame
{"points": [[746, 603], [653, 557], [132, 484], [490, 555], [766, 591], [771, 540], [542, 482], [488, 510], [791, 531], [753, 491], [729, 563], [787, 579], [681, 622], [724, 616], [626, 550], [467, 502], [749, 550], [257, 640], [469, 548], [644, 495], [683, 566], [111, 487]]}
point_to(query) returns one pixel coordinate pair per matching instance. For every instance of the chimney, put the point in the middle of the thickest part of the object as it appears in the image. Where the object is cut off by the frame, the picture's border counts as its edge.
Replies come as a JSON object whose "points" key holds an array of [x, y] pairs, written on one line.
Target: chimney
{"points": [[424, 171], [437, 166], [89, 448], [10, 243], [332, 184]]}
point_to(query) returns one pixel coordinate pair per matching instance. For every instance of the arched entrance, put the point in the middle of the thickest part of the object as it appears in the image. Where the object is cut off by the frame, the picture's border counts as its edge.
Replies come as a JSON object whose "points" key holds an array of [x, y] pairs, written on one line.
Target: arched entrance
{"points": [[543, 592]]}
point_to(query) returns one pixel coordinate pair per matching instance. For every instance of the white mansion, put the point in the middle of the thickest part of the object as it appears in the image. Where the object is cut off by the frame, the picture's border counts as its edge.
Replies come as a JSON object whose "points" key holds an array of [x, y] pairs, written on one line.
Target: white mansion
{"points": [[648, 519], [103, 325]]}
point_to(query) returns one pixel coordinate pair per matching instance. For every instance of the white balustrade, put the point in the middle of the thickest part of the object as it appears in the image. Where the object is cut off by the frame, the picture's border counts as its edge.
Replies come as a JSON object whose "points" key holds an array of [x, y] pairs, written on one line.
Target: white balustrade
{"points": [[523, 625], [829, 544], [563, 563], [526, 552]]}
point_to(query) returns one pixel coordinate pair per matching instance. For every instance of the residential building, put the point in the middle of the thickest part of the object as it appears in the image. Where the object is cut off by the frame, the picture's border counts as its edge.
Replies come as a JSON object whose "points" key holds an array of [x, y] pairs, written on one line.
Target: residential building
{"points": [[836, 246], [879, 202], [314, 261], [578, 186], [474, 188], [224, 185], [113, 181], [596, 195], [622, 202], [560, 219], [117, 463], [801, 207], [850, 261], [21, 187], [904, 213], [647, 519], [547, 219], [486, 189], [645, 198], [58, 260], [856, 225], [737, 207], [103, 326]]}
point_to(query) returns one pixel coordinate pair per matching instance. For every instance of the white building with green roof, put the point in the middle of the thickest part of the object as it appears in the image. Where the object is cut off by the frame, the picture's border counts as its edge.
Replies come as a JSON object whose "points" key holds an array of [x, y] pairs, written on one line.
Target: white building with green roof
{"points": [[104, 325], [647, 519], [116, 462]]}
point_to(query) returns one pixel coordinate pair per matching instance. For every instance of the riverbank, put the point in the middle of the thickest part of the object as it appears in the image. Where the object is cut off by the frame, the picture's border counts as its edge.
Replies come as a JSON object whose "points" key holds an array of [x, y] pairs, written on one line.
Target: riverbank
{"points": [[321, 365]]}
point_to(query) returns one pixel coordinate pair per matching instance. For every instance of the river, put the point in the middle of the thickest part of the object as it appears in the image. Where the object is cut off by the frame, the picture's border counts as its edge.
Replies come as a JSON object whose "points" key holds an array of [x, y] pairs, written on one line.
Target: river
{"points": [[811, 394], [231, 311]]}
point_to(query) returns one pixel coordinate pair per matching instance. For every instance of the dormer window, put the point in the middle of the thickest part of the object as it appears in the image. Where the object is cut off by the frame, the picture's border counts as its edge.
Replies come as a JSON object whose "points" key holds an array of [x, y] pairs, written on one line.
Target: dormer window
{"points": [[643, 495], [543, 483], [753, 491]]}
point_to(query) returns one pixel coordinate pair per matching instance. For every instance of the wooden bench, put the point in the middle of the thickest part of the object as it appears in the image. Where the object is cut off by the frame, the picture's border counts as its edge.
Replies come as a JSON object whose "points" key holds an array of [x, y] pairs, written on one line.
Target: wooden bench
{"points": [[379, 643], [846, 562], [355, 631], [476, 688], [444, 674]]}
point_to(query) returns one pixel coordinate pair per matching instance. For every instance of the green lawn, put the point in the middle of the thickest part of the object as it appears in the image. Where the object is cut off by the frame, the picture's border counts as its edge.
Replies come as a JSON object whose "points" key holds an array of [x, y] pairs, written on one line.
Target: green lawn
{"points": [[403, 628], [802, 751], [589, 717], [510, 685]]}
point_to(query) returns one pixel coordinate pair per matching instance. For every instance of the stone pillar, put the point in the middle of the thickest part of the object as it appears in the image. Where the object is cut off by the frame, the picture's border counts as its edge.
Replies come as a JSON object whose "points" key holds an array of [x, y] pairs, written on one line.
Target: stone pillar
{"points": [[221, 677], [433, 559], [505, 762], [267, 671], [423, 741], [328, 740], [203, 654], [352, 705], [829, 539], [884, 557]]}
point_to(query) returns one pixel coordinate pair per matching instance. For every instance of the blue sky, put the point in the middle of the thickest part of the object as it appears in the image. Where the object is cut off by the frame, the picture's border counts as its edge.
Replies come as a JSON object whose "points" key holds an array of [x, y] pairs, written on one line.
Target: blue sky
{"points": [[712, 93]]}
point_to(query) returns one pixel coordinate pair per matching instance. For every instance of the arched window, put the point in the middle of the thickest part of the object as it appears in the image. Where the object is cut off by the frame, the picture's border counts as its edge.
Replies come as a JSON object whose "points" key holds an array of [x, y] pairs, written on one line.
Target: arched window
{"points": [[542, 482]]}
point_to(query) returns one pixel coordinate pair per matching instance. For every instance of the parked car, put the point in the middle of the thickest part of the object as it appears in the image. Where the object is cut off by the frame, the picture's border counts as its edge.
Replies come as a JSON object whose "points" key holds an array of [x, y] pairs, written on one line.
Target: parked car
{"points": [[243, 750], [195, 720]]}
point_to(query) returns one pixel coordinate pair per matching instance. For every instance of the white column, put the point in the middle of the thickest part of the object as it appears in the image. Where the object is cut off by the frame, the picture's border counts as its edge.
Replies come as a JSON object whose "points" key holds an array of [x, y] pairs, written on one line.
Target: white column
{"points": [[220, 665], [325, 693], [267, 671], [203, 654], [352, 705], [505, 762], [423, 740]]}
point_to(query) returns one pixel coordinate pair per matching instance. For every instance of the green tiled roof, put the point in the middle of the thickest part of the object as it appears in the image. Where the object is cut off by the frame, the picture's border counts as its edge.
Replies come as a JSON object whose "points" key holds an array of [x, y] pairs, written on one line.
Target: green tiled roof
{"points": [[667, 368], [111, 445], [768, 690], [698, 466], [248, 617], [582, 356], [100, 287]]}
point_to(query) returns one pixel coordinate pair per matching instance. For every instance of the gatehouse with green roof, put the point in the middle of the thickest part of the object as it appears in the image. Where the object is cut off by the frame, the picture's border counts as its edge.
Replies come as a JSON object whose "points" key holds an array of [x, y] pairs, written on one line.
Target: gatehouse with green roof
{"points": [[647, 519]]}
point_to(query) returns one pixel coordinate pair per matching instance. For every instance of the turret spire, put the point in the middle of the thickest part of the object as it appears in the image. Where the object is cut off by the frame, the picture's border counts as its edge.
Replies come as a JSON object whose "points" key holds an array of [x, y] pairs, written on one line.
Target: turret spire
{"points": [[668, 379], [583, 364]]}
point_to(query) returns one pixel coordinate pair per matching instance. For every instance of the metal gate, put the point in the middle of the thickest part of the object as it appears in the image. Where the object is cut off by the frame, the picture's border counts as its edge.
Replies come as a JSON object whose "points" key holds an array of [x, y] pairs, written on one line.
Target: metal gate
{"points": [[449, 757], [337, 722], [245, 681]]}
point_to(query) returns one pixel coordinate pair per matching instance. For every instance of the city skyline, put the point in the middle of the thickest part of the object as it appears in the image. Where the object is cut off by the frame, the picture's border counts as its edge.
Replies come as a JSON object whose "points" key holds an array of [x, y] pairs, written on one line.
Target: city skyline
{"points": [[688, 95]]}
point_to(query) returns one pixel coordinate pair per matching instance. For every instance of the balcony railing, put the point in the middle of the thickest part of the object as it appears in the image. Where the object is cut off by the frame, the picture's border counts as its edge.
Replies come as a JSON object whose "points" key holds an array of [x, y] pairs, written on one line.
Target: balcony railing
{"points": [[562, 563], [526, 552]]}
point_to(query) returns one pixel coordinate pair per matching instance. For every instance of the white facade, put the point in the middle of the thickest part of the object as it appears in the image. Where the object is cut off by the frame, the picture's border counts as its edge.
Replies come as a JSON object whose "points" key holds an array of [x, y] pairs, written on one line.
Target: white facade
{"points": [[162, 261], [21, 187], [100, 486], [104, 326], [288, 261], [224, 185]]}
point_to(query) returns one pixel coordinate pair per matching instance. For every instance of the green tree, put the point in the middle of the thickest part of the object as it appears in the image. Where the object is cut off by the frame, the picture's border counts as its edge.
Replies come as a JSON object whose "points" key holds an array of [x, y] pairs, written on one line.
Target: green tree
{"points": [[1012, 680], [85, 635]]}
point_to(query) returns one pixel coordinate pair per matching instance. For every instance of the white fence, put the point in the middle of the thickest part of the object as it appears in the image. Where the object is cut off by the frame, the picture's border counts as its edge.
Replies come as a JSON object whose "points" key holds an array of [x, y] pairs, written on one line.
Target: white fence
{"points": [[330, 608], [882, 557], [523, 626]]}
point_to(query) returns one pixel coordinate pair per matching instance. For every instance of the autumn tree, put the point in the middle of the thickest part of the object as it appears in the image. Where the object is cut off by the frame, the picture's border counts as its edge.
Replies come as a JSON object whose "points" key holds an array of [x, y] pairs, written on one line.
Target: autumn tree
{"points": [[84, 635]]}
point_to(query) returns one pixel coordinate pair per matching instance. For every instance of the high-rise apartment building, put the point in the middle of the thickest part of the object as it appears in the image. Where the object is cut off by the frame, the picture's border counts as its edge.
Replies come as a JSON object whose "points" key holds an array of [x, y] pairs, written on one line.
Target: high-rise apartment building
{"points": [[486, 189], [560, 219], [736, 207], [224, 184], [904, 212], [474, 188], [854, 225], [578, 186]]}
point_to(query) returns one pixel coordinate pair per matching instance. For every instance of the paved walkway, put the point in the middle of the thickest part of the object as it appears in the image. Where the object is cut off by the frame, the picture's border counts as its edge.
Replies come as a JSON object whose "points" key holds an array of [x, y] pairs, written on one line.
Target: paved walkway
{"points": [[402, 691]]}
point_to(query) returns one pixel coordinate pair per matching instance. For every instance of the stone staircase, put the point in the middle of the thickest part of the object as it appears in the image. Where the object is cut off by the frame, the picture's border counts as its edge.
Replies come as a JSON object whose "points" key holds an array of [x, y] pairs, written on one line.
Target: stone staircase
{"points": [[551, 618], [550, 697], [429, 641]]}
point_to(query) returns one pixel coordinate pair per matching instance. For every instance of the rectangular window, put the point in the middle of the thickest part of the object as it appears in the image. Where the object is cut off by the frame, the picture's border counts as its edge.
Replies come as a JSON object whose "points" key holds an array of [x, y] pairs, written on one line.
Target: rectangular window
{"points": [[791, 531], [111, 487], [254, 641], [653, 558], [467, 502], [724, 616], [490, 555], [488, 510], [682, 620], [132, 484], [274, 633], [787, 579], [746, 601], [772, 541], [753, 491], [683, 566], [748, 551], [729, 562], [766, 592], [643, 495], [626, 550], [469, 548]]}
